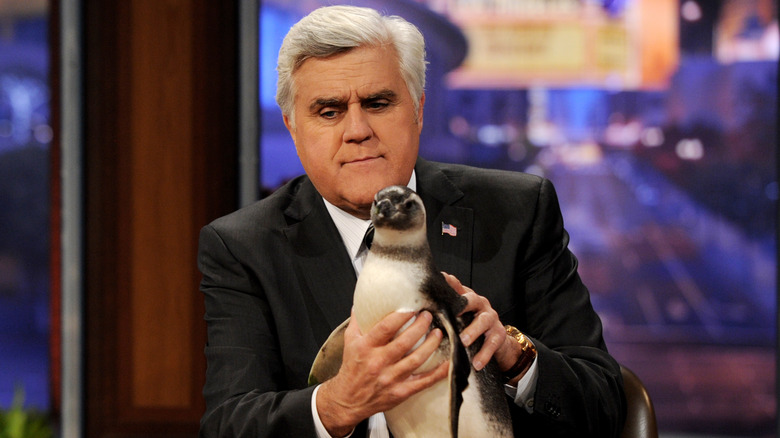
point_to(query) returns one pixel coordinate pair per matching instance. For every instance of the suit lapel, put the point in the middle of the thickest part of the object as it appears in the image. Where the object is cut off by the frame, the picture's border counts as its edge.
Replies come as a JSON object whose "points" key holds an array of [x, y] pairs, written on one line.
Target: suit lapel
{"points": [[451, 253], [321, 262]]}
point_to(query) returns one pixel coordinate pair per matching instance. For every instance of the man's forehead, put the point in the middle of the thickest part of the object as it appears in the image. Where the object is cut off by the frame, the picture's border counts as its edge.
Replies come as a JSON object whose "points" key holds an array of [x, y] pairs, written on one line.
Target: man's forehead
{"points": [[337, 76]]}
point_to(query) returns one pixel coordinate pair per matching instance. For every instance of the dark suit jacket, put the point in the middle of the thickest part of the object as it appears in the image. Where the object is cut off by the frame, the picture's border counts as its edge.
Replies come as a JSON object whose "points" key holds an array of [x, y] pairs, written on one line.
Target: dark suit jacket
{"points": [[277, 280]]}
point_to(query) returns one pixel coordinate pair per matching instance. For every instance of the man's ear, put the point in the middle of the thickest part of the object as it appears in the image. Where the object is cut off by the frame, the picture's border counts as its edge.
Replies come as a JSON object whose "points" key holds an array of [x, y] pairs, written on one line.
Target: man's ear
{"points": [[290, 128]]}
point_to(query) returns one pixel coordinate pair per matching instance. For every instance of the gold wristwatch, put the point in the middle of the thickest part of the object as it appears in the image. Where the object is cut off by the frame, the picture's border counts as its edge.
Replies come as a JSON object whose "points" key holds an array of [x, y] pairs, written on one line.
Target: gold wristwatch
{"points": [[527, 355]]}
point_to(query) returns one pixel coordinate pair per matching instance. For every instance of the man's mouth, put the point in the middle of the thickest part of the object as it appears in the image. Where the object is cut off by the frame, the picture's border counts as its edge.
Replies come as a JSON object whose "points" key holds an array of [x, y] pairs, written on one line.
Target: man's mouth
{"points": [[362, 160]]}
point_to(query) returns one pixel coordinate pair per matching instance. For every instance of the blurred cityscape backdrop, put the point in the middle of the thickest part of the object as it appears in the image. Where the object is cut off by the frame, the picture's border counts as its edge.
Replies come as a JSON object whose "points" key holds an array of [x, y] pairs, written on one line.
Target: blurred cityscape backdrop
{"points": [[657, 122], [25, 137]]}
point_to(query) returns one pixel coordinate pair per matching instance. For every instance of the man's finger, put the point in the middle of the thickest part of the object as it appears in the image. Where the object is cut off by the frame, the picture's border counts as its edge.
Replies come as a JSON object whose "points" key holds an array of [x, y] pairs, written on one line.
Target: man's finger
{"points": [[493, 341], [411, 336], [385, 330], [417, 382], [417, 358]]}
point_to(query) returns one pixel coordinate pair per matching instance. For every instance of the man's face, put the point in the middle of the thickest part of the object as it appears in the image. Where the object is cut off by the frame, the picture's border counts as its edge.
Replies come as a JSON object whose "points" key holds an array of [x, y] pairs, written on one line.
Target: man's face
{"points": [[355, 126]]}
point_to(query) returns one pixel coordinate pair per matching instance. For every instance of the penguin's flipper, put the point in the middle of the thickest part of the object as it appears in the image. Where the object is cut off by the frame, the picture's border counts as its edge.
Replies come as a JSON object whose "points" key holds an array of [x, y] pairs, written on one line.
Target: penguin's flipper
{"points": [[460, 368], [328, 360]]}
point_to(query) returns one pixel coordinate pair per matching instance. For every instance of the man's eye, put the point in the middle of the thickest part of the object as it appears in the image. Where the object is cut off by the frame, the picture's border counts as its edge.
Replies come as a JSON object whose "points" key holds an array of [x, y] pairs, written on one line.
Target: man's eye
{"points": [[377, 105], [329, 114]]}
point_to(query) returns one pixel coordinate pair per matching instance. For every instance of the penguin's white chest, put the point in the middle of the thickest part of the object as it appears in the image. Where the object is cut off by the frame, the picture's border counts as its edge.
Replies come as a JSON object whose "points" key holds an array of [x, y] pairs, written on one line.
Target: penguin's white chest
{"points": [[387, 285]]}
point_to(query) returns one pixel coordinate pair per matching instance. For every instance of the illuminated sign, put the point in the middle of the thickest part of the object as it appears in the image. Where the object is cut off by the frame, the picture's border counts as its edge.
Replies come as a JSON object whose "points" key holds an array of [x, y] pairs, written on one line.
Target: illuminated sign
{"points": [[524, 43]]}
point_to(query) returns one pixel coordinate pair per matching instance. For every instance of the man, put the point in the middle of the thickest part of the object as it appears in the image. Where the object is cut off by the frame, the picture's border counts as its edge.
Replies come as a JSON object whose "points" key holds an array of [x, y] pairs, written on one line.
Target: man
{"points": [[278, 275]]}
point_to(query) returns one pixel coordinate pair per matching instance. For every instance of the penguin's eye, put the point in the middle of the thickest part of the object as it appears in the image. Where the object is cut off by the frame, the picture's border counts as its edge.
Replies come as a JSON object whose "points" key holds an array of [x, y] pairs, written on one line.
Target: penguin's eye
{"points": [[408, 204]]}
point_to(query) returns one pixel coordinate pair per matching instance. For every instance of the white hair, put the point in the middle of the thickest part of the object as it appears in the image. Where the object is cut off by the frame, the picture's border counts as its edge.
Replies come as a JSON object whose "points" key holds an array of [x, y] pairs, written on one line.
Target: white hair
{"points": [[337, 29]]}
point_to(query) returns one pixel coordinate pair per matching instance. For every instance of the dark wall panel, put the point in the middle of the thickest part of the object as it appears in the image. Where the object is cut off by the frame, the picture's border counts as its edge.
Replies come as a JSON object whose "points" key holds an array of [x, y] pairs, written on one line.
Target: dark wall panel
{"points": [[161, 139]]}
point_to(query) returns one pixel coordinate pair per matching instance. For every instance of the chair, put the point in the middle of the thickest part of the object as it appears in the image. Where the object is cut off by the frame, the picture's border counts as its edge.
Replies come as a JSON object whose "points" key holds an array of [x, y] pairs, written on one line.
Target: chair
{"points": [[640, 414]]}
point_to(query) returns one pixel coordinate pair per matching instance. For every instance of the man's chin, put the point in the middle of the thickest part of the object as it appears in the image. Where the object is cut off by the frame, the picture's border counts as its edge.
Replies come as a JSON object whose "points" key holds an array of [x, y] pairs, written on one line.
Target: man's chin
{"points": [[357, 200], [359, 204]]}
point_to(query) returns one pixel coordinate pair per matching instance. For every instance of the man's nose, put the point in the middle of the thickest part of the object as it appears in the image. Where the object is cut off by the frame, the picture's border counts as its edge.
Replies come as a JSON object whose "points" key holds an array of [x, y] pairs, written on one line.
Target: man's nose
{"points": [[357, 129]]}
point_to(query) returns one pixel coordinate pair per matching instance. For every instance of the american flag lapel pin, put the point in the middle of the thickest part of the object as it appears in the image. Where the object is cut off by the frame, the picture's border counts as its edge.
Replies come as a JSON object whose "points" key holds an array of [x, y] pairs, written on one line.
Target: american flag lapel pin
{"points": [[450, 229]]}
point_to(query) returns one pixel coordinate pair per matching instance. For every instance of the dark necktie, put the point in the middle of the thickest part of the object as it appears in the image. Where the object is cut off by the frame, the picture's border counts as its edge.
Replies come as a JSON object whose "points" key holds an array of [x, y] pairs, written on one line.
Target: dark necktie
{"points": [[368, 237]]}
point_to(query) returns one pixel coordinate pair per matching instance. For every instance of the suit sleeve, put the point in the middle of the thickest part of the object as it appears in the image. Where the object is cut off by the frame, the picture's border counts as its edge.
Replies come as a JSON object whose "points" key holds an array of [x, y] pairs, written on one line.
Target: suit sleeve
{"points": [[242, 389], [579, 391]]}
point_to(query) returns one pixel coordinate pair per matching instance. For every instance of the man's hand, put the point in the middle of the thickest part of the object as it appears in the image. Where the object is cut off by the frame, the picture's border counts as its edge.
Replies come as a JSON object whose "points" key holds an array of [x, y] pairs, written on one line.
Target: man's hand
{"points": [[376, 371], [505, 350]]}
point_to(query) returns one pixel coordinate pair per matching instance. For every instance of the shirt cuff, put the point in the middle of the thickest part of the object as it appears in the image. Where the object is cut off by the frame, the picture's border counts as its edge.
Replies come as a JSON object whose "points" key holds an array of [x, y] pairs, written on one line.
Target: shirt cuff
{"points": [[523, 394], [321, 431]]}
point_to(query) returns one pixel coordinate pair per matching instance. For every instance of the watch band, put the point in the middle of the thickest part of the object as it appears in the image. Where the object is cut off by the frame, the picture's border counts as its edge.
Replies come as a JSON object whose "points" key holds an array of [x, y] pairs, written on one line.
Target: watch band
{"points": [[527, 355]]}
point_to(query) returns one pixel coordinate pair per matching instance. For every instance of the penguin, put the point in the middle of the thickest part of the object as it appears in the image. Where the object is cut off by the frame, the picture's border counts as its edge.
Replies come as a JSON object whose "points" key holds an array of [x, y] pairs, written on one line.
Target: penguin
{"points": [[399, 275]]}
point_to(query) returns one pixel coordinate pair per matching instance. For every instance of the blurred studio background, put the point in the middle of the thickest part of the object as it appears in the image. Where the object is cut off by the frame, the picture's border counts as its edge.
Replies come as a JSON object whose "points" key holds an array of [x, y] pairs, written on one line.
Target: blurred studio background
{"points": [[126, 126]]}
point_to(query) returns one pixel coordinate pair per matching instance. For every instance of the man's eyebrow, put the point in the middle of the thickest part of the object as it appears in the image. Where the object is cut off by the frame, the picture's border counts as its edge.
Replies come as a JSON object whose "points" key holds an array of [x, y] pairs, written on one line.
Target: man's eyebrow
{"points": [[384, 94], [323, 102]]}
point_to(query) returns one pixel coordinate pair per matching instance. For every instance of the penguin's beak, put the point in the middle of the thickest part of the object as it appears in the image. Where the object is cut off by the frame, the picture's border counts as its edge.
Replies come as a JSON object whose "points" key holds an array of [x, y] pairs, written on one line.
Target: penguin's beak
{"points": [[383, 208]]}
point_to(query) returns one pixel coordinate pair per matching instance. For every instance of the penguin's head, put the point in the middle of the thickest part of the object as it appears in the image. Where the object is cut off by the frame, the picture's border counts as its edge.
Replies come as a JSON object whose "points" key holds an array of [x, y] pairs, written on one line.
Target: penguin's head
{"points": [[398, 208]]}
